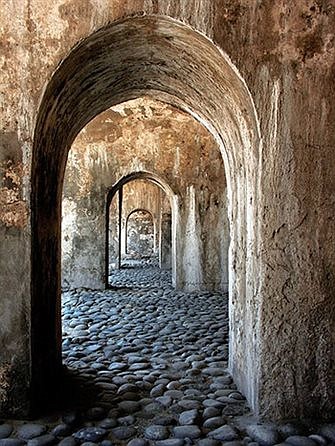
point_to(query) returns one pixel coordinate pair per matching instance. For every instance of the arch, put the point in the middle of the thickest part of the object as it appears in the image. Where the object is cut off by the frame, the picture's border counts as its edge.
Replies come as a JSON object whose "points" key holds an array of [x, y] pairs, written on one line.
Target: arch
{"points": [[162, 184], [159, 57], [139, 210], [140, 175]]}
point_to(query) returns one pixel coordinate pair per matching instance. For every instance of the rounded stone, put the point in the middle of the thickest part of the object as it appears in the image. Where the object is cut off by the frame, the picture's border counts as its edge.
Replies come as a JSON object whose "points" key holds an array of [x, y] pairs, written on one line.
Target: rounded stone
{"points": [[67, 441], [213, 371], [129, 406], [124, 432], [236, 443], [188, 417], [117, 366], [157, 390], [127, 387], [157, 432], [61, 430], [30, 430], [166, 401], [170, 442], [153, 408], [174, 394], [214, 423], [213, 403], [43, 440], [236, 396], [11, 442], [173, 385], [92, 434], [126, 421], [299, 440], [208, 442], [106, 443], [107, 423], [189, 404], [137, 442], [264, 435], [191, 431], [211, 412], [224, 433], [5, 430], [321, 441]]}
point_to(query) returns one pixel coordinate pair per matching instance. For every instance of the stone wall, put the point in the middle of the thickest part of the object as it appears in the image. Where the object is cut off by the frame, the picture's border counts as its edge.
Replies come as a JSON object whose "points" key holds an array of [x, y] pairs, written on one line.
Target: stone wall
{"points": [[281, 196]]}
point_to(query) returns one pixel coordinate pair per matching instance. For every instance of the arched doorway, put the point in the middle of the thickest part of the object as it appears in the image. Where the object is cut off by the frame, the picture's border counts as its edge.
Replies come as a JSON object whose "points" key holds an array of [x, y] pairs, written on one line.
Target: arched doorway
{"points": [[162, 58], [116, 193]]}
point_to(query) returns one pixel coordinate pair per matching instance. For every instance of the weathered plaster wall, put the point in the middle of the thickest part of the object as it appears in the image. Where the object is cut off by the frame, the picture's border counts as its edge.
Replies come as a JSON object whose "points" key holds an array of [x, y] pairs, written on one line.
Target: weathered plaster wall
{"points": [[140, 234], [166, 235], [285, 53], [145, 135], [165, 243]]}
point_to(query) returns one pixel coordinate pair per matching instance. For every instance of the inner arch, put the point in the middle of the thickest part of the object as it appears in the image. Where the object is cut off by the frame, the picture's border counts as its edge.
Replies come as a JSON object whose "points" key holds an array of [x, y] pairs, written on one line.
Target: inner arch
{"points": [[172, 197], [162, 58]]}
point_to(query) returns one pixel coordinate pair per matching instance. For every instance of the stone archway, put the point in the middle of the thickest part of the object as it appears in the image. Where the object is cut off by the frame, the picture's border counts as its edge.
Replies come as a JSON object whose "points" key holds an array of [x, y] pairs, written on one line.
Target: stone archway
{"points": [[172, 198], [162, 58]]}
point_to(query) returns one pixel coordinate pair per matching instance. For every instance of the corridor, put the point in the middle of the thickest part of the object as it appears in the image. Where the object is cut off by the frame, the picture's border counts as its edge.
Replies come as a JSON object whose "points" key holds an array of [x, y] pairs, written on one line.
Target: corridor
{"points": [[156, 356]]}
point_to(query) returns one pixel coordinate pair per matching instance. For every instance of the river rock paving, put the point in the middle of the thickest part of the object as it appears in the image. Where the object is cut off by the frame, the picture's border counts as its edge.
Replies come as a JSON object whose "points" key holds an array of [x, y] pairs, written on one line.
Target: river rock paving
{"points": [[148, 366]]}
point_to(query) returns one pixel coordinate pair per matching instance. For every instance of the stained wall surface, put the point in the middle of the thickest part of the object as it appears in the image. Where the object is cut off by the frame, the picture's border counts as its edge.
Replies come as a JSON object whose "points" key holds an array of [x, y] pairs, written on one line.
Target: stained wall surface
{"points": [[285, 55]]}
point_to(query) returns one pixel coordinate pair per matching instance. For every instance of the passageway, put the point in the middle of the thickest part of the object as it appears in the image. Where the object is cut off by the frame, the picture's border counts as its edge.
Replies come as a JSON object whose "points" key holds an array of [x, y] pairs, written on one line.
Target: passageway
{"points": [[227, 112], [229, 107], [162, 59], [138, 223], [157, 357]]}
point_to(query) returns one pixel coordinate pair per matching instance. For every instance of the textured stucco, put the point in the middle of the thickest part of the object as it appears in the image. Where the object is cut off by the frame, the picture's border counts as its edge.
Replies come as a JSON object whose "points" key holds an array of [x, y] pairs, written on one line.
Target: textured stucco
{"points": [[282, 191]]}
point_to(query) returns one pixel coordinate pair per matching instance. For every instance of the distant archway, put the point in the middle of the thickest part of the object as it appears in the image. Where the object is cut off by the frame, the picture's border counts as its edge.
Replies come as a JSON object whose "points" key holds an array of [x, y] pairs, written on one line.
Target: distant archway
{"points": [[172, 197]]}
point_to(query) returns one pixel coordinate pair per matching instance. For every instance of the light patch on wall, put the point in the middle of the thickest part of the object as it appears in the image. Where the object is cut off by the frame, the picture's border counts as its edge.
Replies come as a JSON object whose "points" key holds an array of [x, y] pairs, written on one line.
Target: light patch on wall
{"points": [[192, 253], [69, 226]]}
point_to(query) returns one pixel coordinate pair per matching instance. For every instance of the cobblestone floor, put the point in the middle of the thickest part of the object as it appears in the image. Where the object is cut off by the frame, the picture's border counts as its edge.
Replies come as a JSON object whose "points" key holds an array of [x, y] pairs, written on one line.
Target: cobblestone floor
{"points": [[148, 367]]}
